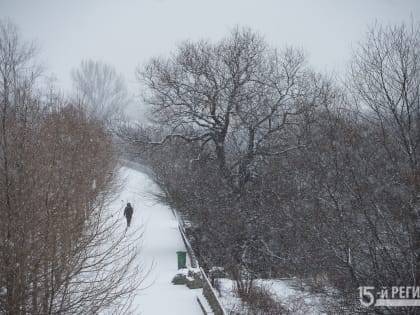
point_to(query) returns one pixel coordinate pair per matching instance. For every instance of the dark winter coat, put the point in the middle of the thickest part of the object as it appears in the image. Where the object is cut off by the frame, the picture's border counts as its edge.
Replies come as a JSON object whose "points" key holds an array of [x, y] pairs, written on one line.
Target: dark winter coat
{"points": [[128, 211]]}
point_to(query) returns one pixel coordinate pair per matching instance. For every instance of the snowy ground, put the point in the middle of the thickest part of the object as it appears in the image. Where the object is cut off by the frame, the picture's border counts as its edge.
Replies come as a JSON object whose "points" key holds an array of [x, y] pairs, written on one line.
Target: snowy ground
{"points": [[160, 242], [296, 301]]}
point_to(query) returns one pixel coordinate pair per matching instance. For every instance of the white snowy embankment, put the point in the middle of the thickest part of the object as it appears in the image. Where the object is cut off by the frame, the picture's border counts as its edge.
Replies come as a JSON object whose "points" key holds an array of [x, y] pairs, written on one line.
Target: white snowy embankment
{"points": [[296, 301], [160, 242]]}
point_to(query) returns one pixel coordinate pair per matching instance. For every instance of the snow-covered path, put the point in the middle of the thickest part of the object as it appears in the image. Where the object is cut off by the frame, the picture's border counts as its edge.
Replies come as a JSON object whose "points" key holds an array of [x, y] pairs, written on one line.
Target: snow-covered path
{"points": [[160, 242]]}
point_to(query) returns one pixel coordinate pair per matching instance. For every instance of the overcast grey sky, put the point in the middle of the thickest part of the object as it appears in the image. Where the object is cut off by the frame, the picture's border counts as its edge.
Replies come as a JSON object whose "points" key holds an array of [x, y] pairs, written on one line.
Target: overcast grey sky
{"points": [[126, 33]]}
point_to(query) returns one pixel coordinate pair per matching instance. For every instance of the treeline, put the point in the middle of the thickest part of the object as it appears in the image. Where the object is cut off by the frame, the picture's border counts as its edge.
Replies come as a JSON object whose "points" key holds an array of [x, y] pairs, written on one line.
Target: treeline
{"points": [[281, 171], [57, 168]]}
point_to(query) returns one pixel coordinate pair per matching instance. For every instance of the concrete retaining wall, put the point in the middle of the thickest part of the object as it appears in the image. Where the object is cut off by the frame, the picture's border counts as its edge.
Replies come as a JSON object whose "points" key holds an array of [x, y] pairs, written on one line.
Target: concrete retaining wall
{"points": [[211, 296]]}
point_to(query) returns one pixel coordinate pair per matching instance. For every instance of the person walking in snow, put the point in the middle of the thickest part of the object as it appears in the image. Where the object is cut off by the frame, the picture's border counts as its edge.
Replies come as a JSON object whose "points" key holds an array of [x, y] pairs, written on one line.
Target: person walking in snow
{"points": [[128, 213]]}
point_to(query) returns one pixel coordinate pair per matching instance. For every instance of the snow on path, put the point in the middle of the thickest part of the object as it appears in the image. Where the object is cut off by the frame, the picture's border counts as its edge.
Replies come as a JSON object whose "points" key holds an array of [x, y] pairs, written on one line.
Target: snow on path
{"points": [[160, 242]]}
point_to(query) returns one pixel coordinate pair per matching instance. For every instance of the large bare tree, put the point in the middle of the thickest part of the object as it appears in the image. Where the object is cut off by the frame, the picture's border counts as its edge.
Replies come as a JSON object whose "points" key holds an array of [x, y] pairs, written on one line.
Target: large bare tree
{"points": [[232, 97]]}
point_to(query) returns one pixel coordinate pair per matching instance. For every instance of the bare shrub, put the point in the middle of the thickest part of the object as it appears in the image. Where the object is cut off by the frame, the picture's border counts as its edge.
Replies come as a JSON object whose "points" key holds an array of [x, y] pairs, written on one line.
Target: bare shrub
{"points": [[259, 301]]}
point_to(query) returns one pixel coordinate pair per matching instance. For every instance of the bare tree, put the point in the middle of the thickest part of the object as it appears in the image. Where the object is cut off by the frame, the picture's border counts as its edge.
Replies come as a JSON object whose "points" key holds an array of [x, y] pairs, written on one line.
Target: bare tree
{"points": [[100, 89], [15, 64], [386, 80], [231, 97]]}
